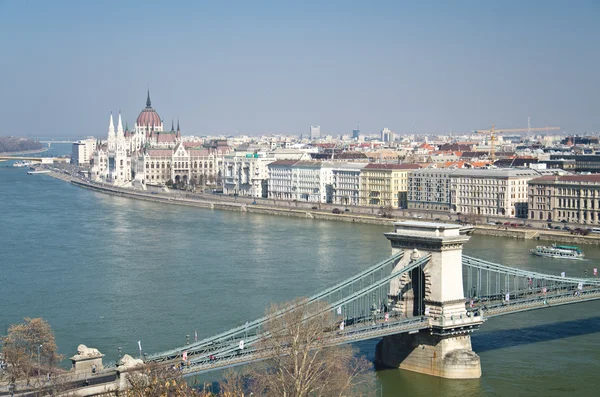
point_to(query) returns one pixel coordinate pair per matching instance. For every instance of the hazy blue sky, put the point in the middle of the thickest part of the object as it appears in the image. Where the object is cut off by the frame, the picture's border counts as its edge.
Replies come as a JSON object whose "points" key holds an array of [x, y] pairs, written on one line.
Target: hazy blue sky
{"points": [[278, 67]]}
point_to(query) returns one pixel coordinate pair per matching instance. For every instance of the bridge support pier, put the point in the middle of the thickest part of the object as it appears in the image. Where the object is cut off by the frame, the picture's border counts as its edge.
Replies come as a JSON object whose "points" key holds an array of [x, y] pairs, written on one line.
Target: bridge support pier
{"points": [[434, 291], [444, 356]]}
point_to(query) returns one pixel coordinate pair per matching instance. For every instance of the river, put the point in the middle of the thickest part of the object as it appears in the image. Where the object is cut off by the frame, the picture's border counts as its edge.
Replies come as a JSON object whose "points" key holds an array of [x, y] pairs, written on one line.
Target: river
{"points": [[108, 271]]}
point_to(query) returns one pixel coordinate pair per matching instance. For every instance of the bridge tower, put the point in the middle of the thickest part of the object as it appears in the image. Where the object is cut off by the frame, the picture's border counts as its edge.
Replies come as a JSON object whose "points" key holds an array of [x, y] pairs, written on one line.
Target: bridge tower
{"points": [[434, 290]]}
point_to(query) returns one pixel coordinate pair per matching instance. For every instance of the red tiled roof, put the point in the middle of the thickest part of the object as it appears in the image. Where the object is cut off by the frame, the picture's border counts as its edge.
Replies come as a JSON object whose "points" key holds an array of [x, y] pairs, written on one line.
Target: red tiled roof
{"points": [[570, 178], [160, 152], [283, 162], [199, 152], [373, 166], [162, 137]]}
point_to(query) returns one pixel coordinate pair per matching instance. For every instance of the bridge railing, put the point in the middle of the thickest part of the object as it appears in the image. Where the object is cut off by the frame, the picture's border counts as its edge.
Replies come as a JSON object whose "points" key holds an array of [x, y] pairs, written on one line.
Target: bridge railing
{"points": [[252, 329]]}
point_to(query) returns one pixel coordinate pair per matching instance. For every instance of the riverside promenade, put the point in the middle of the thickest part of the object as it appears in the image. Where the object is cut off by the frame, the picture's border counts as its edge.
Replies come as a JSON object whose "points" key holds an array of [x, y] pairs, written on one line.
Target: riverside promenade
{"points": [[368, 215]]}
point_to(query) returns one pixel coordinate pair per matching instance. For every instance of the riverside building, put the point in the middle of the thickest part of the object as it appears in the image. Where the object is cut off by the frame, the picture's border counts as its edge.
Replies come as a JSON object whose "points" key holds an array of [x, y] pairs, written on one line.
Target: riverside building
{"points": [[246, 174], [491, 192], [570, 198], [346, 179], [150, 155], [384, 185], [429, 189]]}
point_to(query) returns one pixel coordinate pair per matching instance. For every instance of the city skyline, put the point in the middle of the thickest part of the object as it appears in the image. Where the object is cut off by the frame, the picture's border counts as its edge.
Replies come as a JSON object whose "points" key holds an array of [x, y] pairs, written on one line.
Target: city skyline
{"points": [[279, 68]]}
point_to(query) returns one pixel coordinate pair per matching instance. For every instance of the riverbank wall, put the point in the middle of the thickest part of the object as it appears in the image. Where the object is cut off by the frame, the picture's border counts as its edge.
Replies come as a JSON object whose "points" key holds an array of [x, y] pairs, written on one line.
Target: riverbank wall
{"points": [[42, 150], [228, 206], [231, 204]]}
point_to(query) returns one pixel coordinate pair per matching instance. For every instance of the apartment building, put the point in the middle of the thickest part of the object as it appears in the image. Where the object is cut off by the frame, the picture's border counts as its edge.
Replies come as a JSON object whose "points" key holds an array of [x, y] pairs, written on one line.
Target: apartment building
{"points": [[345, 187], [429, 189], [385, 185], [491, 192], [280, 180], [570, 198]]}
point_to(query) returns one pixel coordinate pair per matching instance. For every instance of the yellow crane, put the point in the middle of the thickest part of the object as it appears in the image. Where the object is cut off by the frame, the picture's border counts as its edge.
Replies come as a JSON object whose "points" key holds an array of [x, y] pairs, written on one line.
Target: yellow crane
{"points": [[492, 133]]}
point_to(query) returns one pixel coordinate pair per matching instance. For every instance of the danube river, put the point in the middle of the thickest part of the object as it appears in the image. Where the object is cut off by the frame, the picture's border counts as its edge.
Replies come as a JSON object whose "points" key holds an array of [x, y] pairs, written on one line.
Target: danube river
{"points": [[108, 271]]}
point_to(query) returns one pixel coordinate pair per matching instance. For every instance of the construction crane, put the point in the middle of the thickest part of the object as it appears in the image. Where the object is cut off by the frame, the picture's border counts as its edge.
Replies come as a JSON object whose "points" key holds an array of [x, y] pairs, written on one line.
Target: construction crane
{"points": [[492, 133]]}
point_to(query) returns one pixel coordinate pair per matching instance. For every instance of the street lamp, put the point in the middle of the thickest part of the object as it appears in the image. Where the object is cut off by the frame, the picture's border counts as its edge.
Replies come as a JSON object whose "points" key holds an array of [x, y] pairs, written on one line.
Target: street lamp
{"points": [[38, 348]]}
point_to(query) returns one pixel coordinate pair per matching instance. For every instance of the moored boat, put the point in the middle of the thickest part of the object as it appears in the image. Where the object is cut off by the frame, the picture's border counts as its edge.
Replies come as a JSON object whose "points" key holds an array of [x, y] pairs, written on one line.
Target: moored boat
{"points": [[559, 251], [21, 164]]}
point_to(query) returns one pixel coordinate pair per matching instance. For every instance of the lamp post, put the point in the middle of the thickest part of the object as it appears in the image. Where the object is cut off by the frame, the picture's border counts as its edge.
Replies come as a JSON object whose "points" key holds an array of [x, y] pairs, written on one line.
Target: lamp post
{"points": [[38, 349]]}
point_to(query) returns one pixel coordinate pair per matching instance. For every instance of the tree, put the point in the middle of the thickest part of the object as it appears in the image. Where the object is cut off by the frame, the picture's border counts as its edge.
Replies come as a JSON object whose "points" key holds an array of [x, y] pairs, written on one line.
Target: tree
{"points": [[20, 349], [299, 361], [159, 381]]}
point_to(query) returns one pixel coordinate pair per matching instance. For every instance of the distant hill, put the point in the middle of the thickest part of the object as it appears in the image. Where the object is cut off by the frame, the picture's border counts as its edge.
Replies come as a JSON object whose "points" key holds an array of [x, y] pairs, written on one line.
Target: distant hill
{"points": [[9, 144]]}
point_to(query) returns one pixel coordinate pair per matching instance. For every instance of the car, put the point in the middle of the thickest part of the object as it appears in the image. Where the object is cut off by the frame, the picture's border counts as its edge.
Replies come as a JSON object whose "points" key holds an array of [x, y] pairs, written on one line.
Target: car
{"points": [[437, 219], [529, 225], [498, 223], [506, 223], [346, 210], [556, 227], [564, 221], [154, 193], [336, 211], [314, 207], [514, 225], [567, 228]]}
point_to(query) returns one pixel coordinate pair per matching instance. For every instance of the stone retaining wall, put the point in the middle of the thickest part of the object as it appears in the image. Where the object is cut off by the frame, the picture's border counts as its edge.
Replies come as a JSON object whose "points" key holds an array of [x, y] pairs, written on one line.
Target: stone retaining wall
{"points": [[301, 211]]}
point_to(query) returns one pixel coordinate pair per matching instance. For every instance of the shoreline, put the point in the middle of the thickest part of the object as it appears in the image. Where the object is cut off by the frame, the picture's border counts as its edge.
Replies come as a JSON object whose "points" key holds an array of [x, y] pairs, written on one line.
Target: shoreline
{"points": [[232, 204], [24, 152]]}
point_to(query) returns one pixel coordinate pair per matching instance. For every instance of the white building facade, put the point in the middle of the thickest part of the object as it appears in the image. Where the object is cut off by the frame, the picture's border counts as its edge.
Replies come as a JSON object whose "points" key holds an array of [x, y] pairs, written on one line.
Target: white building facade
{"points": [[345, 186], [280, 180], [246, 174], [82, 152], [491, 192]]}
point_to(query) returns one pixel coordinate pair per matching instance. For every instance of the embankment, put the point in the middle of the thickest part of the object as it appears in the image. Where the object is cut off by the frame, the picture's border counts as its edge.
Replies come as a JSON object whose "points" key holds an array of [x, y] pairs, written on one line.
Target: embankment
{"points": [[221, 204]]}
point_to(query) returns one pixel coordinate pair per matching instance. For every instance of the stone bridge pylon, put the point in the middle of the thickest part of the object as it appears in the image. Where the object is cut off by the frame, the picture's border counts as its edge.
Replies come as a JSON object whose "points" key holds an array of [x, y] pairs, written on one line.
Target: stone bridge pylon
{"points": [[434, 290]]}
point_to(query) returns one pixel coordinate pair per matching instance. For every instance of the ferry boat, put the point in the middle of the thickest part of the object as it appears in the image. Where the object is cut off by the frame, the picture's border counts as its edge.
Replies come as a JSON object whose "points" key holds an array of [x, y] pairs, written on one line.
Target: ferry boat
{"points": [[35, 172], [559, 251], [21, 164]]}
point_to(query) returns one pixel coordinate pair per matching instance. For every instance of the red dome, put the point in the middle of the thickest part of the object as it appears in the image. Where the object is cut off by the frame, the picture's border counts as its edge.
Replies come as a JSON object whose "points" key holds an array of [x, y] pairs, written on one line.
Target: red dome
{"points": [[148, 116]]}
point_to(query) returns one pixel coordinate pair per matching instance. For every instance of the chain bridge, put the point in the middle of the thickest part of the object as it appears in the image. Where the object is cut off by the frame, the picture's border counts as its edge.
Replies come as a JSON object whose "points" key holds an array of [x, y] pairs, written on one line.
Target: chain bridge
{"points": [[423, 301]]}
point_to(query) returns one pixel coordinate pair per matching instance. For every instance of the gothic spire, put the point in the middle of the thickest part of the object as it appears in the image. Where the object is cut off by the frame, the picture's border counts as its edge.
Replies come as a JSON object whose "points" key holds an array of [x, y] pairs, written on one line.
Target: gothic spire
{"points": [[172, 127], [120, 127], [148, 103], [111, 126], [177, 125]]}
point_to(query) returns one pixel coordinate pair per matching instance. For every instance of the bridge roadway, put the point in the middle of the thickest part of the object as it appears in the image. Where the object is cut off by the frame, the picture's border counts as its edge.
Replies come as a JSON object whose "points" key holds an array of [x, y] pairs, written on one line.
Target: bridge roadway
{"points": [[369, 330]]}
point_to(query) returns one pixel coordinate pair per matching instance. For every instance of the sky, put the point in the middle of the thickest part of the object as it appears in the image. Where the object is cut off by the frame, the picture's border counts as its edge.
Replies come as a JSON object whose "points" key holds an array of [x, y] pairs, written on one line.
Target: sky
{"points": [[253, 67]]}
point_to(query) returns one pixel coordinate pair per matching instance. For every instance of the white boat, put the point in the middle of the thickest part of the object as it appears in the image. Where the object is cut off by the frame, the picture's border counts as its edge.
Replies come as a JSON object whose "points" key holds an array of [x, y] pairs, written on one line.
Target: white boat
{"points": [[38, 172], [21, 164], [559, 251]]}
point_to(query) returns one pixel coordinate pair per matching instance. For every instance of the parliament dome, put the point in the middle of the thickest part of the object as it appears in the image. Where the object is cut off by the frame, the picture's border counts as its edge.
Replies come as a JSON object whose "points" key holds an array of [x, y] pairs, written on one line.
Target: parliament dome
{"points": [[148, 116]]}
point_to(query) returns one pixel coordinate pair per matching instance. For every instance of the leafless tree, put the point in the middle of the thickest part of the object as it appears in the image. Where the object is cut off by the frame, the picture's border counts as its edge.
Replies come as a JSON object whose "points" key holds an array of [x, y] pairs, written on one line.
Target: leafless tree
{"points": [[159, 381], [300, 361], [29, 349]]}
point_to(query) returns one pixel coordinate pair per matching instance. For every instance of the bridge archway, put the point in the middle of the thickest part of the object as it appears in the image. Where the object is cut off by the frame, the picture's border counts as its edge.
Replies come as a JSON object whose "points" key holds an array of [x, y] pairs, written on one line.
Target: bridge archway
{"points": [[417, 277]]}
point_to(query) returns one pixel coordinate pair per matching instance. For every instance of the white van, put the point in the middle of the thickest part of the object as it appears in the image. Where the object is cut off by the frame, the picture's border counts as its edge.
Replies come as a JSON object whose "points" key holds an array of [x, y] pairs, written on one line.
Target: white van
{"points": [[595, 230]]}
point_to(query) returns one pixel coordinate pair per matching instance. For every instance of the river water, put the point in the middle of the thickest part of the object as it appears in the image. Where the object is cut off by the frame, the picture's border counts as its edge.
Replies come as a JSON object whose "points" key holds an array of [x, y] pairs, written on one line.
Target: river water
{"points": [[108, 271]]}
